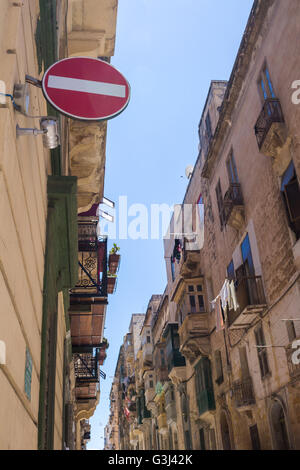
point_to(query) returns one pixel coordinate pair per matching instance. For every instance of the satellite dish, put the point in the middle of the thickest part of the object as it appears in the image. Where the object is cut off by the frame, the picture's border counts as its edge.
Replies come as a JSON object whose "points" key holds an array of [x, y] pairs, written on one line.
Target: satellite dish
{"points": [[189, 171]]}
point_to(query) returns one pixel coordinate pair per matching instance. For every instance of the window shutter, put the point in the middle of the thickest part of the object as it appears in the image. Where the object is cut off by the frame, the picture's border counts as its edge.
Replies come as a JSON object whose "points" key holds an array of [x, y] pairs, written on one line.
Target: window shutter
{"points": [[254, 437], [292, 195]]}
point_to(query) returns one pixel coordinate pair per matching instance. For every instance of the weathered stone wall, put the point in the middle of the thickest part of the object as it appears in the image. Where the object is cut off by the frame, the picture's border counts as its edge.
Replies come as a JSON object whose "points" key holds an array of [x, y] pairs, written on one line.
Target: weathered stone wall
{"points": [[23, 211], [91, 32]]}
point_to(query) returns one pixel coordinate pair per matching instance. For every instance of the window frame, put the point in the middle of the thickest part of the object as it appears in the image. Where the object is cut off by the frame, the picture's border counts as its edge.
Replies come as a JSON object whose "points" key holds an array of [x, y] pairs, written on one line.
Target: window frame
{"points": [[232, 168], [220, 203], [265, 84], [262, 353]]}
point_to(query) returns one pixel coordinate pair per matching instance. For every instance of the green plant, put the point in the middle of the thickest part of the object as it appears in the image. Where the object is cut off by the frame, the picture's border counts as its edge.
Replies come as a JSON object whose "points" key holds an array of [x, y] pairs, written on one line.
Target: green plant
{"points": [[109, 274], [114, 249]]}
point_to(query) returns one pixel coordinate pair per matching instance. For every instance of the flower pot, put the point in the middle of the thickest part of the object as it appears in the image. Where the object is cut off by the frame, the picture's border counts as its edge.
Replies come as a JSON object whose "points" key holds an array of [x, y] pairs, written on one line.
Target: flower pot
{"points": [[111, 282], [113, 262]]}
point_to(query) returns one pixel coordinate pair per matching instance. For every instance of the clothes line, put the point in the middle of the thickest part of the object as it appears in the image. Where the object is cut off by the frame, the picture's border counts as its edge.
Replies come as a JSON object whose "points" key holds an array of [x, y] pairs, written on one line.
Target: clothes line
{"points": [[226, 296]]}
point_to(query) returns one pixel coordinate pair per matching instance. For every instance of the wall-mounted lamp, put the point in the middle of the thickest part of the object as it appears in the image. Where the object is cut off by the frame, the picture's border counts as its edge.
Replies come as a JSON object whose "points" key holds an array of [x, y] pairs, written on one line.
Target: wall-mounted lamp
{"points": [[108, 202], [106, 216], [2, 353], [48, 129], [21, 97]]}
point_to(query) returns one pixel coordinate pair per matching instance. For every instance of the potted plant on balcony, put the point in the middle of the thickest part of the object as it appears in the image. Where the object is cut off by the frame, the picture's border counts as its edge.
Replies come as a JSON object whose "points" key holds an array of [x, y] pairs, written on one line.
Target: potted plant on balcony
{"points": [[105, 343], [114, 259], [111, 282]]}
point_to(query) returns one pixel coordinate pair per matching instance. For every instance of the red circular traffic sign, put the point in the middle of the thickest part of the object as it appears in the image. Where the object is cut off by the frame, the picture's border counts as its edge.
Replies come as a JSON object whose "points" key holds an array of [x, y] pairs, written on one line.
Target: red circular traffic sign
{"points": [[85, 88]]}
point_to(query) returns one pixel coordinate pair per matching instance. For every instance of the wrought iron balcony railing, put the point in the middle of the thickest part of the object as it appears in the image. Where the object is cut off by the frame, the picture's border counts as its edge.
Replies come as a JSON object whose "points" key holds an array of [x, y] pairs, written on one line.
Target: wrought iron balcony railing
{"points": [[233, 202], [92, 264], [251, 300], [271, 113], [86, 367], [243, 393]]}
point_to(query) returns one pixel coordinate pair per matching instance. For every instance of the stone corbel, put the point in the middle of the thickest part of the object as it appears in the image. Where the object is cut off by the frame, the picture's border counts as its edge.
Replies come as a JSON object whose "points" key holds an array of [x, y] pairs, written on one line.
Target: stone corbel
{"points": [[178, 375], [194, 348], [87, 43]]}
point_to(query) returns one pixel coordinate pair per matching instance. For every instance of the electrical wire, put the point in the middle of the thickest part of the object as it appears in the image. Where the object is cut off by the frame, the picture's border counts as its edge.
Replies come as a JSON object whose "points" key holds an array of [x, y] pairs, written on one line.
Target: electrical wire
{"points": [[12, 99]]}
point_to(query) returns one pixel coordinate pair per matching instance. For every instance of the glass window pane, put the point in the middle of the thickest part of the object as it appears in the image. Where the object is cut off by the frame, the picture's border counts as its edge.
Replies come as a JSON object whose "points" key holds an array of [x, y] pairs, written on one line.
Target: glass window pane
{"points": [[271, 91]]}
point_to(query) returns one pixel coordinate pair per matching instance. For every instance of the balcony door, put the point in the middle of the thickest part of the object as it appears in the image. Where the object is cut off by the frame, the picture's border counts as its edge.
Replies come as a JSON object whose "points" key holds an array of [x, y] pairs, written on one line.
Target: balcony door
{"points": [[247, 257], [249, 271]]}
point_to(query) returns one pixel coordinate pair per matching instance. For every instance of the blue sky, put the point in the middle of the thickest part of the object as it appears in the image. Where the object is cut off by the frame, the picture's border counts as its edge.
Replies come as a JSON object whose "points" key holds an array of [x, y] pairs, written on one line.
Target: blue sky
{"points": [[169, 51]]}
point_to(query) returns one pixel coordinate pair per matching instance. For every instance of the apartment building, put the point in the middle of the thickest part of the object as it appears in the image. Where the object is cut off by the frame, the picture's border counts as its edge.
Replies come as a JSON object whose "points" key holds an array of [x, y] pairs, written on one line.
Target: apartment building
{"points": [[49, 197], [222, 337]]}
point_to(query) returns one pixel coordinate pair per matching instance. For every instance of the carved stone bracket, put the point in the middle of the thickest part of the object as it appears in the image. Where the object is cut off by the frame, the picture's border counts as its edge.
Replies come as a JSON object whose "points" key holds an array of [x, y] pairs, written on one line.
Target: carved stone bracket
{"points": [[195, 347]]}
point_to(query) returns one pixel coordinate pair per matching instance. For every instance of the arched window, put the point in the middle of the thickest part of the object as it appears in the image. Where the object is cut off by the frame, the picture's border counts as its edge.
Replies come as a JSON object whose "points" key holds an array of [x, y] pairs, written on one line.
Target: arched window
{"points": [[279, 427], [225, 432]]}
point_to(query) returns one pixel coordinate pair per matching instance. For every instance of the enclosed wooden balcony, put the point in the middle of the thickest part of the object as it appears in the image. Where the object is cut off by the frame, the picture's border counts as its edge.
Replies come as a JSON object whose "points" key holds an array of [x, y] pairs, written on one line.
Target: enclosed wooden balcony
{"points": [[251, 300], [162, 421], [194, 336], [149, 395], [170, 403], [173, 355], [190, 265], [87, 323], [147, 355], [243, 393], [86, 392], [270, 128], [234, 206], [160, 362], [141, 410]]}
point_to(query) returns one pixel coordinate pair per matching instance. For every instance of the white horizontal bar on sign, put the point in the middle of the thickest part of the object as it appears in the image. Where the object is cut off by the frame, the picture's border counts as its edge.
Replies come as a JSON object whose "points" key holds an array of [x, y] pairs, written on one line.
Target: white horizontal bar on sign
{"points": [[86, 86]]}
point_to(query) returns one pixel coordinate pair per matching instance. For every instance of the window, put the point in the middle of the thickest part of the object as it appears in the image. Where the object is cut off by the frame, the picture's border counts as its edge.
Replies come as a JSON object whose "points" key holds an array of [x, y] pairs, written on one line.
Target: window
{"points": [[291, 196], [151, 384], [188, 444], [265, 84], [202, 439], [219, 367], [195, 302], [201, 303], [28, 374], [208, 127], [290, 326], [173, 268], [230, 271], [148, 339], [203, 383], [231, 169], [200, 206], [279, 427], [192, 303], [162, 357], [262, 352], [254, 437], [244, 363], [220, 204]]}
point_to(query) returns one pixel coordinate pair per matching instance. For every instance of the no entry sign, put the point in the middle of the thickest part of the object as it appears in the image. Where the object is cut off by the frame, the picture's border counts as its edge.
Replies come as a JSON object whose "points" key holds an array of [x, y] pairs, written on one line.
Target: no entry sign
{"points": [[85, 88]]}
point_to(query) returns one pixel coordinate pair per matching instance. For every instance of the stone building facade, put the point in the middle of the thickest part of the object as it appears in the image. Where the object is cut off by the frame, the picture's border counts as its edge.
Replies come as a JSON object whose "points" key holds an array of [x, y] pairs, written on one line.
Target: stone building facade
{"points": [[43, 191], [227, 376]]}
